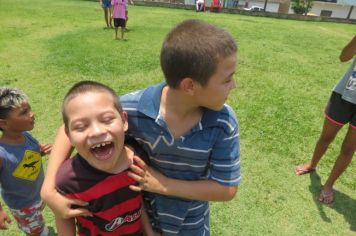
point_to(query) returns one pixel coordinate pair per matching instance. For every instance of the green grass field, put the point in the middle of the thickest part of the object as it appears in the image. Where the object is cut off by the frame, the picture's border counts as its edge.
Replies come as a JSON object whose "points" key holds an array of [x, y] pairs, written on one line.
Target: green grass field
{"points": [[286, 70]]}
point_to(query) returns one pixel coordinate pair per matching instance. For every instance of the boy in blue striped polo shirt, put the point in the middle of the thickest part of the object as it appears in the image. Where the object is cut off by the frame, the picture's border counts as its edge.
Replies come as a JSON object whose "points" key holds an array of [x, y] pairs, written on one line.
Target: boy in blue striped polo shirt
{"points": [[190, 134]]}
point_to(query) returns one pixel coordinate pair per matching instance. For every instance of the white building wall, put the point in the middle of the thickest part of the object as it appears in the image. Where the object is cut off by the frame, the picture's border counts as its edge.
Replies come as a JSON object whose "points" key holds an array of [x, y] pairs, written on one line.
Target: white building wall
{"points": [[338, 11], [271, 7]]}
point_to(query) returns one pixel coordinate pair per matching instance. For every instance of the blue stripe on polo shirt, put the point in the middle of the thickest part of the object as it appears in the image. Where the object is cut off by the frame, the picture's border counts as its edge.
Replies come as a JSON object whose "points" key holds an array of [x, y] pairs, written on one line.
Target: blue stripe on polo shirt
{"points": [[210, 150]]}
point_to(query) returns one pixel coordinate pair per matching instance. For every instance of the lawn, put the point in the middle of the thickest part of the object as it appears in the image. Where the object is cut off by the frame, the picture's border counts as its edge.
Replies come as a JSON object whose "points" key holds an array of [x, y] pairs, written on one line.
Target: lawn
{"points": [[286, 70]]}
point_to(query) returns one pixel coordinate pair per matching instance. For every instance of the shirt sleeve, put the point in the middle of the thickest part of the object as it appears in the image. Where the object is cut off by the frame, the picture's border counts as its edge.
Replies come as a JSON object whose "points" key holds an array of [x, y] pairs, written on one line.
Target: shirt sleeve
{"points": [[225, 156]]}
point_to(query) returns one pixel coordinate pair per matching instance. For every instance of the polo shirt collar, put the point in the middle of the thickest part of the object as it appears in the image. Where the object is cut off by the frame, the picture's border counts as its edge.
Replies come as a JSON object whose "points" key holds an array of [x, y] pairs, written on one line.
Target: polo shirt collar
{"points": [[150, 100]]}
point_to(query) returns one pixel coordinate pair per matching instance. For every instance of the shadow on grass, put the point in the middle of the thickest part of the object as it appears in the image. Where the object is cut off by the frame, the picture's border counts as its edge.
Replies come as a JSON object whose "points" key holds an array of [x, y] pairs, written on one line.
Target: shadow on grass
{"points": [[343, 204]]}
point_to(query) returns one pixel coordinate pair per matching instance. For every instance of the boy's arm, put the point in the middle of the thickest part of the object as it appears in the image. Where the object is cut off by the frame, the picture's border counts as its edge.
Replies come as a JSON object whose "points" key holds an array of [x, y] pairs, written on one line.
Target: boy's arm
{"points": [[65, 227], [349, 50], [4, 219], [203, 190], [147, 228], [59, 204]]}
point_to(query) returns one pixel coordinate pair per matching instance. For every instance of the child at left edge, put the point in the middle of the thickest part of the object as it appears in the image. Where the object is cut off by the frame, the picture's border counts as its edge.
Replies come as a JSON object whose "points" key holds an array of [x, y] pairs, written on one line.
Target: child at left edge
{"points": [[119, 14], [21, 171]]}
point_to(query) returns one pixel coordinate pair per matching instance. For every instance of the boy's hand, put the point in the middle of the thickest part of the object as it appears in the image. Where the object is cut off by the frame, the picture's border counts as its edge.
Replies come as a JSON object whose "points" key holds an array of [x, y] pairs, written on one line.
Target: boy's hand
{"points": [[4, 219], [149, 179], [45, 149], [61, 206]]}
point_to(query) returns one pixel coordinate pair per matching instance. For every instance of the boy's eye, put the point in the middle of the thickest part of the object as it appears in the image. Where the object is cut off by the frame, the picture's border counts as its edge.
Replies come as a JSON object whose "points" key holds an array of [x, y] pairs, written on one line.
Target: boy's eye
{"points": [[228, 80], [79, 127], [108, 120], [25, 111]]}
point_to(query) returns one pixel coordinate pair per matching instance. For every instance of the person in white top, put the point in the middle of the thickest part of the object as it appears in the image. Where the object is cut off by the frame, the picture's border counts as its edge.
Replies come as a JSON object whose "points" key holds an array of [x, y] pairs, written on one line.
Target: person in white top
{"points": [[199, 5]]}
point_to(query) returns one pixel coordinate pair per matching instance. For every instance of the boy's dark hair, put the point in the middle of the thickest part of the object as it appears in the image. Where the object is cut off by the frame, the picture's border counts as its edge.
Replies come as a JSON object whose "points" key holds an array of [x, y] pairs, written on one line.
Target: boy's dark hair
{"points": [[193, 49], [10, 98], [85, 87]]}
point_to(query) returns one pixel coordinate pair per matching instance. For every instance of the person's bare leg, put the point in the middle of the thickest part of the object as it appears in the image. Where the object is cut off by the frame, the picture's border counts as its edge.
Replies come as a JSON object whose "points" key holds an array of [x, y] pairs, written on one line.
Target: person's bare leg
{"points": [[116, 29], [327, 135], [106, 16], [110, 17], [122, 32], [342, 162]]}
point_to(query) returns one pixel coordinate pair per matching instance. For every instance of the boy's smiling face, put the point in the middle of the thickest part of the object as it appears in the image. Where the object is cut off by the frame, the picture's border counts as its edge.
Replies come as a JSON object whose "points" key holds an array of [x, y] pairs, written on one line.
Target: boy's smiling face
{"points": [[215, 93], [96, 129]]}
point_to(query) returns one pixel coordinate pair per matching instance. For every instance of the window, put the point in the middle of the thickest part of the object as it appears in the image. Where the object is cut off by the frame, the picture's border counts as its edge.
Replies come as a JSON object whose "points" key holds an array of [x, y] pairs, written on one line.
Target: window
{"points": [[325, 13]]}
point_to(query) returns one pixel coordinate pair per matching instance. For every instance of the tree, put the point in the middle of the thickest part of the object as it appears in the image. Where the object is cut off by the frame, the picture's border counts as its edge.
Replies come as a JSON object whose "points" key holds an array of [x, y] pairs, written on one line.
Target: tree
{"points": [[302, 6]]}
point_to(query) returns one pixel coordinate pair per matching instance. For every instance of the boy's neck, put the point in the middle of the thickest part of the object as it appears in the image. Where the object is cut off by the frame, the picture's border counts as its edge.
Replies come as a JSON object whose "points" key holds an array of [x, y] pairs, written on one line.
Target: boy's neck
{"points": [[179, 111], [124, 161], [12, 138], [173, 102]]}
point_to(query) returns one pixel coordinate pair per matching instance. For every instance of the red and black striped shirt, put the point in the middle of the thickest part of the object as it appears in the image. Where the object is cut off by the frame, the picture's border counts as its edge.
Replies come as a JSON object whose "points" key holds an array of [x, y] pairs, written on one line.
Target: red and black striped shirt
{"points": [[116, 208]]}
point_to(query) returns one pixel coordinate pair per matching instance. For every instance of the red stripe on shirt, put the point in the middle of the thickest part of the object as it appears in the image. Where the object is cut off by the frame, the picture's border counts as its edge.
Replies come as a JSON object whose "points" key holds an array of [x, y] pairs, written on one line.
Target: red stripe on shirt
{"points": [[104, 187]]}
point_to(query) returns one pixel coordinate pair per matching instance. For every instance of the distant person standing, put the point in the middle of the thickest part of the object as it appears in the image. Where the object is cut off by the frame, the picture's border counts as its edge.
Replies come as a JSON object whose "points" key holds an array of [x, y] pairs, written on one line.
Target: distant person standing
{"points": [[106, 5], [199, 5], [119, 14], [340, 110], [127, 14]]}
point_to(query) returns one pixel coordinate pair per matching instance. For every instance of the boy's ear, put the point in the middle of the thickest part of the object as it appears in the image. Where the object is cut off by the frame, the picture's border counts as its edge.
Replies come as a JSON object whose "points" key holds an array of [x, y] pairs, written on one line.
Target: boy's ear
{"points": [[66, 131], [187, 85], [2, 123], [124, 120]]}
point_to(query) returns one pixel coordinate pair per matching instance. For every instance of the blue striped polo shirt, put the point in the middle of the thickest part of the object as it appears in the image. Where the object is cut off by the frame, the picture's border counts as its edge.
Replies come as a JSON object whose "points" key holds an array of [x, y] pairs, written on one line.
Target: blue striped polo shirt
{"points": [[210, 150]]}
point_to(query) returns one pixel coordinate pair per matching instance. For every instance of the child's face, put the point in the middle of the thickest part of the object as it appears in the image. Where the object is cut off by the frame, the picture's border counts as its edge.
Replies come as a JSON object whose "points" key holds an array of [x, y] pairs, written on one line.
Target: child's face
{"points": [[215, 93], [96, 129], [19, 119]]}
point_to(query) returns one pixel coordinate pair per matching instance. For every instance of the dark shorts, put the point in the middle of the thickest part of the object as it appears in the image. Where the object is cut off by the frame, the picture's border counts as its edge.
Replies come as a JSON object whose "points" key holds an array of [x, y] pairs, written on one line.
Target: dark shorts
{"points": [[118, 22], [339, 111], [106, 3]]}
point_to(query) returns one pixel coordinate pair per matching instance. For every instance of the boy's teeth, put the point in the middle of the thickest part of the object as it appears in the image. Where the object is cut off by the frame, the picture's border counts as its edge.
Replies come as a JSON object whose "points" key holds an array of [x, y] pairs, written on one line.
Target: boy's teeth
{"points": [[100, 145]]}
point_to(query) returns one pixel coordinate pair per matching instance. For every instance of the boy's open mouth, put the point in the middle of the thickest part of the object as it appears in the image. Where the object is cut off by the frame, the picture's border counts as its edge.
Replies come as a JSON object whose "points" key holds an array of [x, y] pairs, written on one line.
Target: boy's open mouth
{"points": [[102, 151]]}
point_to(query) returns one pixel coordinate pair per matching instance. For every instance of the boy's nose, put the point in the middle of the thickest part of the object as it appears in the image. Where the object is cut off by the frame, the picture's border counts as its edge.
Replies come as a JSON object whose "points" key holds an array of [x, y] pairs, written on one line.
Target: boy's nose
{"points": [[32, 114], [96, 130]]}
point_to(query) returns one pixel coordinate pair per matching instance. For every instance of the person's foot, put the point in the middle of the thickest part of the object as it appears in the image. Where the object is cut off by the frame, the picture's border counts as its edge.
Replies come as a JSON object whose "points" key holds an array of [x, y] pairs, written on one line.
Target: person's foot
{"points": [[303, 169], [326, 195]]}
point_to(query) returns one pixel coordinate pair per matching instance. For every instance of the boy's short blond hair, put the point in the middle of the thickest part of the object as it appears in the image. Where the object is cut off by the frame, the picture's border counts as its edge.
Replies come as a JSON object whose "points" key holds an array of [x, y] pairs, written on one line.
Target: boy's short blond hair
{"points": [[193, 49], [85, 87]]}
